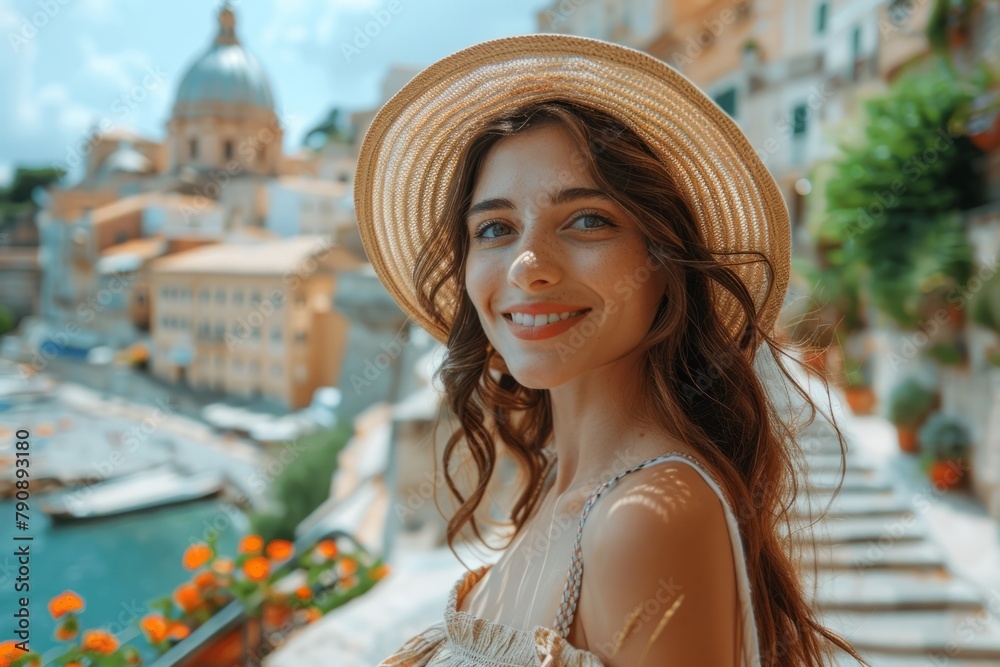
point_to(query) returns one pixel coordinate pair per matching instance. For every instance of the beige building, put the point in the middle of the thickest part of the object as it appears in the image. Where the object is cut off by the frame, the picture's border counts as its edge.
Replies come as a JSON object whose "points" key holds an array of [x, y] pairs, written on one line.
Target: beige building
{"points": [[251, 319]]}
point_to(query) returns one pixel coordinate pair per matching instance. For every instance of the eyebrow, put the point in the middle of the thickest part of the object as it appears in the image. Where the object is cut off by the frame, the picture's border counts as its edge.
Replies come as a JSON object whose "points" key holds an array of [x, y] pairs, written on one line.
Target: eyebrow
{"points": [[561, 197]]}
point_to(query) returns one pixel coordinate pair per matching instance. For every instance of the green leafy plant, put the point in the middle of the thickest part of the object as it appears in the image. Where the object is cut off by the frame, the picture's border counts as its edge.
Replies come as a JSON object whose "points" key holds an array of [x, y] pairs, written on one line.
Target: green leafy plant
{"points": [[909, 402], [984, 308], [302, 485], [945, 438], [894, 198], [857, 371], [948, 354]]}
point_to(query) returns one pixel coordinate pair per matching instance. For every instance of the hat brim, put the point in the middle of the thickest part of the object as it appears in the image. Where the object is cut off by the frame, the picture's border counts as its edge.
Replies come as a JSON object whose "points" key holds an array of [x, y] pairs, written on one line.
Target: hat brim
{"points": [[411, 150]]}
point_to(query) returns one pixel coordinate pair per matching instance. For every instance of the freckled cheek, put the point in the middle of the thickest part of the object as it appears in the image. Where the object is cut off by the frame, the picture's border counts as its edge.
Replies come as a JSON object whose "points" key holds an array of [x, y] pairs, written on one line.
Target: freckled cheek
{"points": [[481, 281]]}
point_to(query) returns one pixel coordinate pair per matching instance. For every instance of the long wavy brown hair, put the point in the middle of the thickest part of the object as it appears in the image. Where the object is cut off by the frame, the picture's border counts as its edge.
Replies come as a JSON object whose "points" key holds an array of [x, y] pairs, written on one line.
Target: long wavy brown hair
{"points": [[699, 380]]}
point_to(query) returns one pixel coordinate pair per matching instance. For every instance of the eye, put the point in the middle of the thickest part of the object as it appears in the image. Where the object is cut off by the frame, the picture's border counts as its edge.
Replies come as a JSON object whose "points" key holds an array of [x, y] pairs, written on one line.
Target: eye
{"points": [[486, 226], [593, 215]]}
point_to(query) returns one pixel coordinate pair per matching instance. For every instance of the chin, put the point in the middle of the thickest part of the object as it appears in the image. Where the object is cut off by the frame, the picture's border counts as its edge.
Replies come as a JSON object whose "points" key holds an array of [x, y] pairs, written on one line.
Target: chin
{"points": [[539, 376]]}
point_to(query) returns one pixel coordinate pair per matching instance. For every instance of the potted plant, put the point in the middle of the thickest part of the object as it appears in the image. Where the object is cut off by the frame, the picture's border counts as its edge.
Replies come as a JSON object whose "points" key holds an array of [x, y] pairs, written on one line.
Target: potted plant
{"points": [[951, 353], [858, 389], [945, 444], [89, 648], [279, 589], [909, 404]]}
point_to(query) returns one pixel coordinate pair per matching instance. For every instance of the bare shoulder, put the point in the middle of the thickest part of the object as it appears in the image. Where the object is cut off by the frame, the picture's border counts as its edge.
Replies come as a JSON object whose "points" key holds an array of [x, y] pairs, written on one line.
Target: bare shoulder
{"points": [[658, 562]]}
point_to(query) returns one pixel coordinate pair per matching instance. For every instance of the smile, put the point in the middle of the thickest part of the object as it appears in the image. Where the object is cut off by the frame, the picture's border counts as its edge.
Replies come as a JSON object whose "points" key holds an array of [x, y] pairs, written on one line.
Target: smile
{"points": [[553, 327]]}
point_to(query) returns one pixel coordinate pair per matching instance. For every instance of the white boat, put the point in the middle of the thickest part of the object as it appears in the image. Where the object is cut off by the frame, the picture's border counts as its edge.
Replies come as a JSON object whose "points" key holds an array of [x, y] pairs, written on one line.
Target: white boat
{"points": [[145, 489]]}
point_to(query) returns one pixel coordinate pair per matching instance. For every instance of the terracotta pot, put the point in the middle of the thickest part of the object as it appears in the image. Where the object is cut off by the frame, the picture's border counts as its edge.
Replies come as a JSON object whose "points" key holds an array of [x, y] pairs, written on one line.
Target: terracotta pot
{"points": [[229, 650], [956, 316], [861, 399], [816, 359], [989, 139], [908, 439], [948, 474]]}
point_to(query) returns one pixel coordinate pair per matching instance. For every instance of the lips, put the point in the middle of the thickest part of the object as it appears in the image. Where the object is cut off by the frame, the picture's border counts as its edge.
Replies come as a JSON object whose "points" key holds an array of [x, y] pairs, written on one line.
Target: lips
{"points": [[542, 331]]}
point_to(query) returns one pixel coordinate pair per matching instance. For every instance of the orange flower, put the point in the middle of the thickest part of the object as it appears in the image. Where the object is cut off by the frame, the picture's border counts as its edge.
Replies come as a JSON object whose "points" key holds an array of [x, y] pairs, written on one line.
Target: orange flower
{"points": [[99, 641], [197, 555], [349, 583], [257, 568], [64, 633], [155, 627], [179, 631], [74, 664], [188, 597], [251, 544], [8, 652], [313, 614], [280, 549], [380, 572], [223, 566], [64, 603], [327, 549], [304, 592], [204, 580], [348, 566]]}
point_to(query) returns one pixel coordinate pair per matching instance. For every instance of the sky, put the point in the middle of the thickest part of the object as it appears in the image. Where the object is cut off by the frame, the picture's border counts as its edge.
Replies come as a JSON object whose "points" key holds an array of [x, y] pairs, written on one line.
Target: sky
{"points": [[66, 65]]}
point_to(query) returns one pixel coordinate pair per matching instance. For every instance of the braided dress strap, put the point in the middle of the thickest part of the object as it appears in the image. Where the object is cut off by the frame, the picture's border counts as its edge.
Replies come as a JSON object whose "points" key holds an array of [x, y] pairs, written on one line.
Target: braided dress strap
{"points": [[571, 590]]}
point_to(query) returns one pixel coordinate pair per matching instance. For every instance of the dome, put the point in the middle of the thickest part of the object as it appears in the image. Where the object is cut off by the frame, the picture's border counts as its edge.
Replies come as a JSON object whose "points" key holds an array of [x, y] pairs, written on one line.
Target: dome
{"points": [[225, 74]]}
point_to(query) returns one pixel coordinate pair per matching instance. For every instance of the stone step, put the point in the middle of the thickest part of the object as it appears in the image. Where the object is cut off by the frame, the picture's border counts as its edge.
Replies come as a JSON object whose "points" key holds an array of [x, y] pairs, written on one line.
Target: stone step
{"points": [[881, 530], [888, 590], [852, 481], [910, 556], [825, 462], [937, 637], [852, 504]]}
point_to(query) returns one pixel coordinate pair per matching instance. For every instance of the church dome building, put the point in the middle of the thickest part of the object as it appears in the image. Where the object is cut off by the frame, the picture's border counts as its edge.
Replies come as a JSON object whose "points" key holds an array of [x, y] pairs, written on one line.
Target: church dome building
{"points": [[223, 116]]}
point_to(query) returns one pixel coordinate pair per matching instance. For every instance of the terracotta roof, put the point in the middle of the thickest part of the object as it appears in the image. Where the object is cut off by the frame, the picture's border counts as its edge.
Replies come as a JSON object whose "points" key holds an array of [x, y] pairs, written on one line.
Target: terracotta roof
{"points": [[151, 246], [280, 256]]}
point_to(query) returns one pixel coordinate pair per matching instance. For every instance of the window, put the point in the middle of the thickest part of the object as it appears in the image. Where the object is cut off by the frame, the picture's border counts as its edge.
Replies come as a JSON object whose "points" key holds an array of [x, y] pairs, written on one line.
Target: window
{"points": [[799, 114], [727, 100], [203, 295], [255, 298], [276, 335], [821, 16], [855, 52], [227, 149], [220, 296], [121, 237], [193, 148], [238, 297], [300, 337]]}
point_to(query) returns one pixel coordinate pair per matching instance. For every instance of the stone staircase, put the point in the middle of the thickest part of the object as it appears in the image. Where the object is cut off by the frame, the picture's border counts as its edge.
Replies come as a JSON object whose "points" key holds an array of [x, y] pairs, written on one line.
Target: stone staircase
{"points": [[881, 582]]}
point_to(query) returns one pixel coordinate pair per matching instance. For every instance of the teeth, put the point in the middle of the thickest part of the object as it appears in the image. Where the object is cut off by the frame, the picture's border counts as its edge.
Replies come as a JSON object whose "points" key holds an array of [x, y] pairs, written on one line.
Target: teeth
{"points": [[539, 320]]}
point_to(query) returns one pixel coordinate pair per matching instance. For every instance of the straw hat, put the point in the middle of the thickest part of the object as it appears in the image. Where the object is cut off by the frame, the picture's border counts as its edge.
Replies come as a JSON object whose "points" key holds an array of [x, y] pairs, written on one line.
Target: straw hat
{"points": [[411, 149]]}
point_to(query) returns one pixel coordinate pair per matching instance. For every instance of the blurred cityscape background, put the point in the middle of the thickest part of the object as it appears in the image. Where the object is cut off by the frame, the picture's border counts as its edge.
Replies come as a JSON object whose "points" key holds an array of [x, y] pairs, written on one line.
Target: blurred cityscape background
{"points": [[231, 424]]}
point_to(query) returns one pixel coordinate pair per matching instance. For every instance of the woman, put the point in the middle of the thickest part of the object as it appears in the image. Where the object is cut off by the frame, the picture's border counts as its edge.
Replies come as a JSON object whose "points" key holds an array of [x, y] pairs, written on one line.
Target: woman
{"points": [[603, 254]]}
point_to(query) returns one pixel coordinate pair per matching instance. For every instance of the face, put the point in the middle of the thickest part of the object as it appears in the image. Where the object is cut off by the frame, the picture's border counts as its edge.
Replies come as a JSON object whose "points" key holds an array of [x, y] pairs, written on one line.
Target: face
{"points": [[543, 248]]}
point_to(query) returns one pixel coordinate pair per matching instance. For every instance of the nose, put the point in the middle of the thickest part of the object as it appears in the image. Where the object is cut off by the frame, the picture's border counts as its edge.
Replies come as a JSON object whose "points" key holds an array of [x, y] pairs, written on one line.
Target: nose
{"points": [[535, 265]]}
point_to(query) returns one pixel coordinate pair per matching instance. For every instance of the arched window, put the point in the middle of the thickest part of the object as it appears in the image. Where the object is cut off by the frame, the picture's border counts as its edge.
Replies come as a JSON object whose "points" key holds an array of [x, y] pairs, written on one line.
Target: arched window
{"points": [[193, 148], [227, 148]]}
